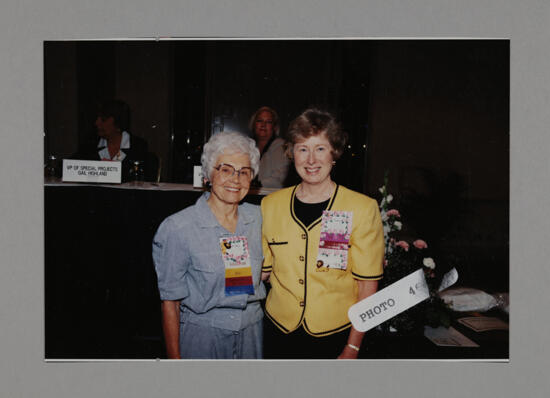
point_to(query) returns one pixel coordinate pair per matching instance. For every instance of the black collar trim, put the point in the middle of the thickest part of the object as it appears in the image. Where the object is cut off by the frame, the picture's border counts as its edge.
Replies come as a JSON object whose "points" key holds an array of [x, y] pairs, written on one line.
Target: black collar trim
{"points": [[320, 334]]}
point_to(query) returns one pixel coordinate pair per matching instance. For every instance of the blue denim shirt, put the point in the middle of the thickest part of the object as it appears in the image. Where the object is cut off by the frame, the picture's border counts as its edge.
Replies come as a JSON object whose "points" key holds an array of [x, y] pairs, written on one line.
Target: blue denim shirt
{"points": [[190, 268]]}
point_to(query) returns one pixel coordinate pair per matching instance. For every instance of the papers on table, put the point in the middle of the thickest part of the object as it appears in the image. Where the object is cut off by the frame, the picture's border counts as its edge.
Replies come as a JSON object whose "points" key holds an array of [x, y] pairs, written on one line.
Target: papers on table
{"points": [[483, 323], [450, 337]]}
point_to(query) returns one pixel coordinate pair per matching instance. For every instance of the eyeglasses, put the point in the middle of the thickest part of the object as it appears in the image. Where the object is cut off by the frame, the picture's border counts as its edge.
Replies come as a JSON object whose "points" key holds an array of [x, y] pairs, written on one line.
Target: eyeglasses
{"points": [[228, 171]]}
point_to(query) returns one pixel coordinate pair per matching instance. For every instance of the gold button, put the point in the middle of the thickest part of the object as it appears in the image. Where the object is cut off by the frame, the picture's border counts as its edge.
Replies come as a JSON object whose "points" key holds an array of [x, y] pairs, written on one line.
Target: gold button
{"points": [[302, 258], [303, 236], [301, 281], [302, 303]]}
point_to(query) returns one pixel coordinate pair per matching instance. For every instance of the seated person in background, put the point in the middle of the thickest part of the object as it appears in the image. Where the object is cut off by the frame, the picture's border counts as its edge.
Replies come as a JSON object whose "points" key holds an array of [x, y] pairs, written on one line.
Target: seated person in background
{"points": [[116, 143], [274, 163]]}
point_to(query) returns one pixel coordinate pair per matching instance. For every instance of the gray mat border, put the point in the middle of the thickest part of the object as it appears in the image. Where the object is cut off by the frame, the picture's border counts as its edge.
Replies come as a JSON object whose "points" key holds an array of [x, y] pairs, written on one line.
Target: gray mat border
{"points": [[24, 26]]}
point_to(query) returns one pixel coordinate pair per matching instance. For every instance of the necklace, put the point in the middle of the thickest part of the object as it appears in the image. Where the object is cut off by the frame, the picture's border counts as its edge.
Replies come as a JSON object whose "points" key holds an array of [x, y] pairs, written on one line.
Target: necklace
{"points": [[326, 194]]}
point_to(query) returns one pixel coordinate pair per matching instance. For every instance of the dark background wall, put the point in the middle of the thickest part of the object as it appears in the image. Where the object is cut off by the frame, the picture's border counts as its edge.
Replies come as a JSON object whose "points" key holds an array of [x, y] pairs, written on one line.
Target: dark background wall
{"points": [[433, 113], [439, 124]]}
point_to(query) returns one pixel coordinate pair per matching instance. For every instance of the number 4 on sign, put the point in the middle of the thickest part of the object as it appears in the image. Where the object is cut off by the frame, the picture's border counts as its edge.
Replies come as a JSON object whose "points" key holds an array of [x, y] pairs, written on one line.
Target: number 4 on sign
{"points": [[417, 286]]}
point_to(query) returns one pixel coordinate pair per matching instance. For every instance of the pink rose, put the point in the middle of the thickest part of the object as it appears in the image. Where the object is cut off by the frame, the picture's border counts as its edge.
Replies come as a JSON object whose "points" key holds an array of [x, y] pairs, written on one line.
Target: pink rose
{"points": [[420, 244], [393, 212], [402, 244]]}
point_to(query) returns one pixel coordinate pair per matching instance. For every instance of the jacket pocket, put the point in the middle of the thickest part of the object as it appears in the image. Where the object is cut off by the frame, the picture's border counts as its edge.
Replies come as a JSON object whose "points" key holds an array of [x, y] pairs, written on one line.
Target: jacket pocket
{"points": [[273, 243]]}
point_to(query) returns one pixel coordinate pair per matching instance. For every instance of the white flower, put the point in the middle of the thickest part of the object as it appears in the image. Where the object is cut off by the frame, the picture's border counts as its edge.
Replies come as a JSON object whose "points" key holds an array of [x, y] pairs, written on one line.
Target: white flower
{"points": [[386, 229], [389, 198], [398, 225], [384, 215], [381, 190], [429, 262]]}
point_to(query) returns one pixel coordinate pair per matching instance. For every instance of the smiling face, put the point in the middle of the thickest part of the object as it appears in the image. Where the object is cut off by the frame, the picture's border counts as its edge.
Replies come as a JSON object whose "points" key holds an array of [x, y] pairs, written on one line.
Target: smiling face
{"points": [[230, 190], [313, 159], [263, 126]]}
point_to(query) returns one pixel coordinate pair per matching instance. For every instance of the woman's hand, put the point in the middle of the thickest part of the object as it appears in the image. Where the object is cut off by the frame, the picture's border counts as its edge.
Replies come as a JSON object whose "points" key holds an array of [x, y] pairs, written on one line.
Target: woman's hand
{"points": [[265, 276], [348, 353], [366, 288]]}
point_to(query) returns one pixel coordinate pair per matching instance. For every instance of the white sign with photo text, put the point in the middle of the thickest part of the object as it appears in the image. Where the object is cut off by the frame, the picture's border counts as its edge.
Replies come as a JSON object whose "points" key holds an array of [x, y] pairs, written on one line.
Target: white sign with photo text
{"points": [[99, 171], [389, 302], [394, 299]]}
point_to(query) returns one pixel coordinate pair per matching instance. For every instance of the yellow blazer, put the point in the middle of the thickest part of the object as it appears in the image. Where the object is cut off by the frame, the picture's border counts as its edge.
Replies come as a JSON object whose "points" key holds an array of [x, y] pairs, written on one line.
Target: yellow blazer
{"points": [[300, 294]]}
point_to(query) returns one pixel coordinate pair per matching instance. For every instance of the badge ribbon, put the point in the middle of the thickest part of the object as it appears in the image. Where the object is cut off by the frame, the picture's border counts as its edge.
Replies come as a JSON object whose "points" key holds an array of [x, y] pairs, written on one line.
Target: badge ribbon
{"points": [[236, 259]]}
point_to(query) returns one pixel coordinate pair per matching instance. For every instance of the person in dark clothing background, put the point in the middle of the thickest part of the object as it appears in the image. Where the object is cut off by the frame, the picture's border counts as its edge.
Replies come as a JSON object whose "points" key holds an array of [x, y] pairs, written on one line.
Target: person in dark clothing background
{"points": [[117, 144]]}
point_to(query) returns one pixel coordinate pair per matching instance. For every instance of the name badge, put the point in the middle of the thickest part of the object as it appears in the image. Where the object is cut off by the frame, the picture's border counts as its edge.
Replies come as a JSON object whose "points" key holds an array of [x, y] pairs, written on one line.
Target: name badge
{"points": [[91, 171], [334, 240], [236, 259]]}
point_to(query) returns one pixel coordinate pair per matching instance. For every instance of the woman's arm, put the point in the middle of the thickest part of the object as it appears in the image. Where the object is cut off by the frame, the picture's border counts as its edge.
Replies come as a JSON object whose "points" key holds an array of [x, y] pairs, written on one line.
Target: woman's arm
{"points": [[366, 288], [171, 327]]}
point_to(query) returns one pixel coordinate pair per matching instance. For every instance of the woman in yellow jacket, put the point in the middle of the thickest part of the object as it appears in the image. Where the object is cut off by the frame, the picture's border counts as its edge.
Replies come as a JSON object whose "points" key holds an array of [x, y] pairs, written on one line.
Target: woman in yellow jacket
{"points": [[323, 249]]}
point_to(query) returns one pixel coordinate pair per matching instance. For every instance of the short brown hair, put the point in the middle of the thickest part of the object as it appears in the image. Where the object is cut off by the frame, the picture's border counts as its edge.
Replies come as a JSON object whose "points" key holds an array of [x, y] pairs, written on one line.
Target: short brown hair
{"points": [[314, 121], [118, 109], [274, 116]]}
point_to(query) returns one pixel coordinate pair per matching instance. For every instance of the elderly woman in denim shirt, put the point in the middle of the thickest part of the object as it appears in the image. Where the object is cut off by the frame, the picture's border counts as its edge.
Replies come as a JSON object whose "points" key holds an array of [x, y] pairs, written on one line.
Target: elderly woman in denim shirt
{"points": [[208, 261]]}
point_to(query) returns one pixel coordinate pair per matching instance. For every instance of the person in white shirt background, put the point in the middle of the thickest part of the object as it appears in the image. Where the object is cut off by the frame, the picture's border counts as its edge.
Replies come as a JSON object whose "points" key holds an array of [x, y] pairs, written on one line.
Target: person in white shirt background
{"points": [[274, 163]]}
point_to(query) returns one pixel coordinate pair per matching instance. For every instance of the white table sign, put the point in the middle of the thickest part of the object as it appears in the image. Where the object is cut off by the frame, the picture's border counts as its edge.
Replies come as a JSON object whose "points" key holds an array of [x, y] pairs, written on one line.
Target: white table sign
{"points": [[91, 171], [197, 177]]}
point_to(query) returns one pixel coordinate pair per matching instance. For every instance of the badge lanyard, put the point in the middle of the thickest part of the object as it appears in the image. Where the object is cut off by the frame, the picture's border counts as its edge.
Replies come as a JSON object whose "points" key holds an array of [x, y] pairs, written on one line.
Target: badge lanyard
{"points": [[236, 259], [334, 240]]}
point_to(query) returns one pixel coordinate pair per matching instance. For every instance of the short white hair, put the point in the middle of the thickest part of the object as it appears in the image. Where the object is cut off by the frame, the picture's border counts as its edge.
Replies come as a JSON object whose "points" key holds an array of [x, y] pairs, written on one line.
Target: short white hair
{"points": [[228, 142]]}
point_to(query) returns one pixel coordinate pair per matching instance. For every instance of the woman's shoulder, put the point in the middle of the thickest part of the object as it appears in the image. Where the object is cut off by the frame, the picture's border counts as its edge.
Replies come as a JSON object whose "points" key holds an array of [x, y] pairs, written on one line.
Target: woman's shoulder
{"points": [[136, 141], [276, 145], [250, 209], [179, 220], [278, 141], [359, 198], [283, 194]]}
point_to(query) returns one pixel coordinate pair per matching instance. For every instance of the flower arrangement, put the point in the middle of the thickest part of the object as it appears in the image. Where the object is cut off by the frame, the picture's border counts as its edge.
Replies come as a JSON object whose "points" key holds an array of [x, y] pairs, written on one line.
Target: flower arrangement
{"points": [[403, 258]]}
